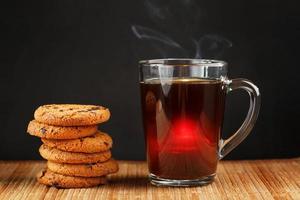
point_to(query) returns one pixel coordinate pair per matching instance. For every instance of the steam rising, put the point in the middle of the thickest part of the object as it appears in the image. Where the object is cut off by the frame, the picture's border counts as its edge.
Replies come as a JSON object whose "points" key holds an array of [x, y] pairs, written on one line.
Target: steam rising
{"points": [[211, 46], [181, 19], [147, 33], [162, 44]]}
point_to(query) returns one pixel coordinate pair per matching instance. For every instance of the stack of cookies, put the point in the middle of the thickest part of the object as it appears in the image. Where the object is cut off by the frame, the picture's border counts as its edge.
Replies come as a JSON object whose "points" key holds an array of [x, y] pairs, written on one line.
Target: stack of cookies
{"points": [[78, 153]]}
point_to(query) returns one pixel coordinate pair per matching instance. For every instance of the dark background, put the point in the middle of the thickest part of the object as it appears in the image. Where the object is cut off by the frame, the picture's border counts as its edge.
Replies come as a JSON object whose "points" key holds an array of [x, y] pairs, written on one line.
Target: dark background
{"points": [[86, 52]]}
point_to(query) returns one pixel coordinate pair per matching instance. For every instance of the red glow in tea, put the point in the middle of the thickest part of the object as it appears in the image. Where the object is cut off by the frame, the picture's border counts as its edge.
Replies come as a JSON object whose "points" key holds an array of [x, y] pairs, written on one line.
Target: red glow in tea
{"points": [[184, 136], [182, 122]]}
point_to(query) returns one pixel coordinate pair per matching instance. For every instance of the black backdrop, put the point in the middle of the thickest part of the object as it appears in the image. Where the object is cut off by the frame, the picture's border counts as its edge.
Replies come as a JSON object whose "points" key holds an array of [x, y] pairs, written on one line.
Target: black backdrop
{"points": [[86, 52]]}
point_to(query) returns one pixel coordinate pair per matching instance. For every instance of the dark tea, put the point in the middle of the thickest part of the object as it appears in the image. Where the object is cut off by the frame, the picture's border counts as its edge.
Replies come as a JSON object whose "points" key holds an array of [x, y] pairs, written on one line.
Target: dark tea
{"points": [[182, 123]]}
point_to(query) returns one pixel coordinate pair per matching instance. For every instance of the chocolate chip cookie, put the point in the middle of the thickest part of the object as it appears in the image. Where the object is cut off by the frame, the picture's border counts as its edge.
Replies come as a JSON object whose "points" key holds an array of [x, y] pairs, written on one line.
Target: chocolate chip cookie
{"points": [[41, 130], [59, 156], [98, 142], [84, 170], [50, 178], [71, 114]]}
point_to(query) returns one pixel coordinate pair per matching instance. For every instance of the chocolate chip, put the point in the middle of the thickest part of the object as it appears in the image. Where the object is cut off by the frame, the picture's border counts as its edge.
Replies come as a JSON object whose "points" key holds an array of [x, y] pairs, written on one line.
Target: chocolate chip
{"points": [[43, 130], [55, 184], [106, 143], [90, 109], [61, 110], [43, 173], [94, 108], [89, 165]]}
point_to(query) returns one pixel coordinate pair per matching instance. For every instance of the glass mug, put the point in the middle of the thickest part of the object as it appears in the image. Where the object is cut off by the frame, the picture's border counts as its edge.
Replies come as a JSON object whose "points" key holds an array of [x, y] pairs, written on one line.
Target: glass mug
{"points": [[183, 104]]}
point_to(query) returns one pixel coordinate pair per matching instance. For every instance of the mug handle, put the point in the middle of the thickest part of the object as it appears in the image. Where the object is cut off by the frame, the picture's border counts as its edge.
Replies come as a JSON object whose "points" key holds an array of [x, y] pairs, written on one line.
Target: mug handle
{"points": [[227, 145]]}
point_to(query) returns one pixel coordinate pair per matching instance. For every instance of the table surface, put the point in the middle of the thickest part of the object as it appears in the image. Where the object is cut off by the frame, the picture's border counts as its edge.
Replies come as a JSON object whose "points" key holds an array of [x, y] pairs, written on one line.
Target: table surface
{"points": [[259, 179]]}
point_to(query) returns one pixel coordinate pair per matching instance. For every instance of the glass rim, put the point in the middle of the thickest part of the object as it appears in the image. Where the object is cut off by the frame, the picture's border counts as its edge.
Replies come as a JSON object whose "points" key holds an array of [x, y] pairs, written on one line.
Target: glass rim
{"points": [[184, 62]]}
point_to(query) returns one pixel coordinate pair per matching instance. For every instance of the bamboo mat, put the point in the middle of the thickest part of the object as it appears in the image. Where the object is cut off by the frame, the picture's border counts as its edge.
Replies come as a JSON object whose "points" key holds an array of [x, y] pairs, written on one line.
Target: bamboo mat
{"points": [[260, 179]]}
